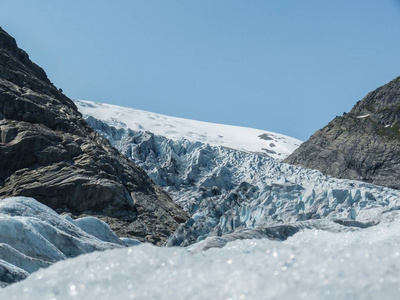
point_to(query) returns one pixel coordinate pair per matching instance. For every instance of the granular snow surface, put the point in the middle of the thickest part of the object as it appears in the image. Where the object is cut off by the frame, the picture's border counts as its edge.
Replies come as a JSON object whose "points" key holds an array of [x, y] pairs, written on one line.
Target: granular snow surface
{"points": [[313, 264]]}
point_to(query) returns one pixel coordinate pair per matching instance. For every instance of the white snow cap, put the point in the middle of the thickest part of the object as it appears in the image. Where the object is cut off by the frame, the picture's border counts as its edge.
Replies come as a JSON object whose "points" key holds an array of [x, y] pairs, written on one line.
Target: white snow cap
{"points": [[276, 145]]}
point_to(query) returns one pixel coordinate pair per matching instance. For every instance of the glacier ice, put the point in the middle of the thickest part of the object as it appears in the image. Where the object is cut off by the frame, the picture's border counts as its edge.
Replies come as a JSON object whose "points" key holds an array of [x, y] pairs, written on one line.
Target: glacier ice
{"points": [[226, 190], [271, 230], [9, 273], [312, 264], [97, 228], [33, 236]]}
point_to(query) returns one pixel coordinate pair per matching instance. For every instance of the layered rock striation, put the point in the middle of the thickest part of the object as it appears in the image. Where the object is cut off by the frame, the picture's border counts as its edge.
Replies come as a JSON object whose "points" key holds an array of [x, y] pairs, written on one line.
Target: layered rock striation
{"points": [[363, 144], [48, 152]]}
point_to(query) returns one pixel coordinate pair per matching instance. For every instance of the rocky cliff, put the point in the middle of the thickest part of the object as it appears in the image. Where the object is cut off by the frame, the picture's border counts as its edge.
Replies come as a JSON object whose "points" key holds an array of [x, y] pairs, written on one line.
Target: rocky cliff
{"points": [[48, 152], [363, 144]]}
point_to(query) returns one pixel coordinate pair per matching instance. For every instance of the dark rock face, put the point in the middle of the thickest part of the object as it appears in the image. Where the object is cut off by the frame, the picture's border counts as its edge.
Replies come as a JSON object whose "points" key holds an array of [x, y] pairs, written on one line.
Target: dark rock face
{"points": [[48, 152], [363, 144]]}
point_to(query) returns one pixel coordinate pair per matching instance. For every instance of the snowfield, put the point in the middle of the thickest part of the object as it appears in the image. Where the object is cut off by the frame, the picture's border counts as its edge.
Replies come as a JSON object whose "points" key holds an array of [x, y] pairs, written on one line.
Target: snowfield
{"points": [[313, 264], [268, 143]]}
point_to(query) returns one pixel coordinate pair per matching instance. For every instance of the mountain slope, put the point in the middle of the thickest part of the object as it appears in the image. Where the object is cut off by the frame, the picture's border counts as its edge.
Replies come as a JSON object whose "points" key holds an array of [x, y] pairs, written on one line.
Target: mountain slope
{"points": [[275, 145], [363, 144], [49, 152]]}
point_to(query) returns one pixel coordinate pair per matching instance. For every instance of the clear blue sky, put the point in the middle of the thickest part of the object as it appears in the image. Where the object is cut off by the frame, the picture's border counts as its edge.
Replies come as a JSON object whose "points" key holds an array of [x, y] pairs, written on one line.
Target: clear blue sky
{"points": [[286, 66]]}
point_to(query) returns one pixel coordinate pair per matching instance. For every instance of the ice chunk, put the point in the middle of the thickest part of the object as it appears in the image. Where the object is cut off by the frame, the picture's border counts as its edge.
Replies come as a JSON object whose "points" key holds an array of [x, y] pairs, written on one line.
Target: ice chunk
{"points": [[97, 228], [33, 236]]}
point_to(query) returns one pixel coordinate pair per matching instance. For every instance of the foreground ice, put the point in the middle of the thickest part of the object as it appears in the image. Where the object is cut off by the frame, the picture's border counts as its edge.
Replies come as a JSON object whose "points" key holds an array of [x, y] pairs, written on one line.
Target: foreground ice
{"points": [[312, 264], [33, 236]]}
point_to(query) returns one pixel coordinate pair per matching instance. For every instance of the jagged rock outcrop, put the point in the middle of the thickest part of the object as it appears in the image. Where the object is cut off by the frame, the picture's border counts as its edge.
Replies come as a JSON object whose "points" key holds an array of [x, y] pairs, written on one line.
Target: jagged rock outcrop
{"points": [[49, 152], [363, 144]]}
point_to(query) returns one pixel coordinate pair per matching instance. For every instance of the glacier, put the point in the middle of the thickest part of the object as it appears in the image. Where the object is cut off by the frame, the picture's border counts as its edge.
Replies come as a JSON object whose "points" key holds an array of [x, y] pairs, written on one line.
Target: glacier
{"points": [[259, 228], [230, 191], [33, 236], [312, 264]]}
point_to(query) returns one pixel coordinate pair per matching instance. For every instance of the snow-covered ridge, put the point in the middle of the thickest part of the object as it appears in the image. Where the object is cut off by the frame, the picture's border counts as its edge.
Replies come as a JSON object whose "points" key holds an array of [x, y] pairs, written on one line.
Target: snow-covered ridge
{"points": [[272, 144]]}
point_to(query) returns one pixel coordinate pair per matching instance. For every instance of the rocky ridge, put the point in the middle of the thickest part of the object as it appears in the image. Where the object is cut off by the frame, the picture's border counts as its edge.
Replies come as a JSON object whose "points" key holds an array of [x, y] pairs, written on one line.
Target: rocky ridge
{"points": [[48, 152], [363, 144]]}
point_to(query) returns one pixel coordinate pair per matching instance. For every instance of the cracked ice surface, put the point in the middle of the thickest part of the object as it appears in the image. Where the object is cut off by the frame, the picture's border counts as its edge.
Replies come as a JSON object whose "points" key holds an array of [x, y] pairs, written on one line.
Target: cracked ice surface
{"points": [[33, 236], [226, 190]]}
